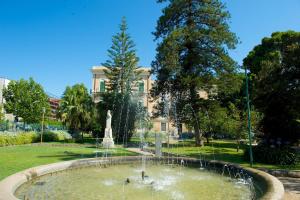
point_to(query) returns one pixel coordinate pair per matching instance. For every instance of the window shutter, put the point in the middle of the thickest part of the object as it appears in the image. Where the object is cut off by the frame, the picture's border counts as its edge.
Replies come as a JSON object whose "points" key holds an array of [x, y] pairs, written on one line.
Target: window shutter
{"points": [[102, 86], [141, 87], [163, 126]]}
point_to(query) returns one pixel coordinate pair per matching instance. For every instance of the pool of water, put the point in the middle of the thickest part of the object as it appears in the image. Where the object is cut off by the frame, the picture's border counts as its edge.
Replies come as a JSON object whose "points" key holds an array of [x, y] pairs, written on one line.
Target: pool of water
{"points": [[160, 182]]}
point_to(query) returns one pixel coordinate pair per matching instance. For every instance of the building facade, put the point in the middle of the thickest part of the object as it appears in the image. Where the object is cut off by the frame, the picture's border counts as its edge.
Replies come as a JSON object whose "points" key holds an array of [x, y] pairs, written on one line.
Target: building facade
{"points": [[54, 104], [3, 84], [144, 85]]}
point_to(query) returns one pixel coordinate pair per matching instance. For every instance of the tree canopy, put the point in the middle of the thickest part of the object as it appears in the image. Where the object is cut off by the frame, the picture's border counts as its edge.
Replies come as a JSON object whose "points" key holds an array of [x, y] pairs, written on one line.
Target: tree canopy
{"points": [[122, 62], [193, 37], [26, 99], [275, 72], [76, 108]]}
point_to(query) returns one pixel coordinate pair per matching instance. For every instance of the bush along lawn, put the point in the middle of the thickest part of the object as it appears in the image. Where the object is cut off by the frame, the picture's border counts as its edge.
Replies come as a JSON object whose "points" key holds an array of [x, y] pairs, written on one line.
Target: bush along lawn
{"points": [[284, 156], [21, 157], [8, 138]]}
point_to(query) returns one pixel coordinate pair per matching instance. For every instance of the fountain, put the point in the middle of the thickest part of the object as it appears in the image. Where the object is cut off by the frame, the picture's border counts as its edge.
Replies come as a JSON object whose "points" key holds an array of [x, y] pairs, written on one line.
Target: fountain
{"points": [[108, 141], [121, 178], [160, 182], [140, 177]]}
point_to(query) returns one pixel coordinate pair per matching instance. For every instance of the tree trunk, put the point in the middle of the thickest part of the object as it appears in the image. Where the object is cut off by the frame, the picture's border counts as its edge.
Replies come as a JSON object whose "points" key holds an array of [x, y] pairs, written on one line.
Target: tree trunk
{"points": [[207, 138], [237, 145], [198, 135], [180, 129]]}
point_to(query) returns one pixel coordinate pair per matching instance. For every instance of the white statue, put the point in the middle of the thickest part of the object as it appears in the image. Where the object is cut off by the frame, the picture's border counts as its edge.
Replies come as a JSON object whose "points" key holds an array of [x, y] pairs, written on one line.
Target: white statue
{"points": [[108, 120], [108, 141]]}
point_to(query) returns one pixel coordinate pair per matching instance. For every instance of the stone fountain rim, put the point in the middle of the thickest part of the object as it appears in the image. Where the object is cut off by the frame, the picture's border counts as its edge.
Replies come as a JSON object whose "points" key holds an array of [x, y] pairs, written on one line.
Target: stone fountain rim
{"points": [[8, 186]]}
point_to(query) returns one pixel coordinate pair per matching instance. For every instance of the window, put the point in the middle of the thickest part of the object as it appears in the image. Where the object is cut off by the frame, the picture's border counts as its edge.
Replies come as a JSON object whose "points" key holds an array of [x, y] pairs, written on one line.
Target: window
{"points": [[102, 86], [163, 126], [141, 87]]}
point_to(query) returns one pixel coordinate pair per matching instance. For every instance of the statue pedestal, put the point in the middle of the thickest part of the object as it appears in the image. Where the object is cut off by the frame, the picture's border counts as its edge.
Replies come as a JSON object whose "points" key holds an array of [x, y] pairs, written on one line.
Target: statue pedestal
{"points": [[108, 141]]}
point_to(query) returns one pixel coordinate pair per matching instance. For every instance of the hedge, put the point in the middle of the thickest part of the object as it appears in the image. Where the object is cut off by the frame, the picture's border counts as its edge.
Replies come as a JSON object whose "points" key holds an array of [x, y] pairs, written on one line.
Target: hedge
{"points": [[7, 138], [268, 155]]}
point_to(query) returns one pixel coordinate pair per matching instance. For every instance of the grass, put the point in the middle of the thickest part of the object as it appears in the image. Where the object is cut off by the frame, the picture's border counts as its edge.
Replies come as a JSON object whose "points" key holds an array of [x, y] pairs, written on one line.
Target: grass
{"points": [[17, 158], [223, 150]]}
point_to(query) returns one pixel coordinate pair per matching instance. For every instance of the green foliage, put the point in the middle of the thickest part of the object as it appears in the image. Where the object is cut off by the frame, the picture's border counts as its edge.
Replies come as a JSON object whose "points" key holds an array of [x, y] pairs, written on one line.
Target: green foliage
{"points": [[213, 118], [234, 101], [76, 108], [55, 136], [191, 55], [5, 125], [26, 99], [7, 139], [122, 65], [275, 70], [53, 123], [1, 113], [268, 155], [221, 121]]}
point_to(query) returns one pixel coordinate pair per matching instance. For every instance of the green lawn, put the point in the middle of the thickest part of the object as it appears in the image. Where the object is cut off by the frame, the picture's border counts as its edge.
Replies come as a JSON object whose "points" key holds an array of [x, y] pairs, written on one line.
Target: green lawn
{"points": [[223, 150], [17, 158]]}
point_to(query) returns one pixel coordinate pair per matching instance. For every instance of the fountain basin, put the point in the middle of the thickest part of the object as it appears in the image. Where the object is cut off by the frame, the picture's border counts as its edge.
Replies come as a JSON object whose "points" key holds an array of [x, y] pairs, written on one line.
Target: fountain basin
{"points": [[166, 176]]}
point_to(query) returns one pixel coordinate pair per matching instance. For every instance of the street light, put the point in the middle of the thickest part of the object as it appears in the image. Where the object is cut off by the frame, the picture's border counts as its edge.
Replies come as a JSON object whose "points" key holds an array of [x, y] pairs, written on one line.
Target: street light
{"points": [[249, 119], [44, 110]]}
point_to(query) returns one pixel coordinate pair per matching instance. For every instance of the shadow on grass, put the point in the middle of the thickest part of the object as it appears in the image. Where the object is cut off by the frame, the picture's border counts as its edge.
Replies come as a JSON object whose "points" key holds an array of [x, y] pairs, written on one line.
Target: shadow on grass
{"points": [[69, 156]]}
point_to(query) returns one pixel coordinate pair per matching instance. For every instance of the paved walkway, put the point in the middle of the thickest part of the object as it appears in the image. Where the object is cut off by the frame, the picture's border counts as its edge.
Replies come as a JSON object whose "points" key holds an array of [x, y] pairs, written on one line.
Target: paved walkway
{"points": [[291, 187], [139, 151]]}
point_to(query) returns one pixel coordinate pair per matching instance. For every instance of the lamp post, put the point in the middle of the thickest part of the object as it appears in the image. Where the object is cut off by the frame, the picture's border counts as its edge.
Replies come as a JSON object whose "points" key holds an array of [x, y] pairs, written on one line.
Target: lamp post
{"points": [[44, 110], [249, 119]]}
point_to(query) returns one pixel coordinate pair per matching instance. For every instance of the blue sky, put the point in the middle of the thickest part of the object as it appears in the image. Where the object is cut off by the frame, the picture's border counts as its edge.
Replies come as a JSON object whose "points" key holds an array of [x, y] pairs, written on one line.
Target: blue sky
{"points": [[57, 41]]}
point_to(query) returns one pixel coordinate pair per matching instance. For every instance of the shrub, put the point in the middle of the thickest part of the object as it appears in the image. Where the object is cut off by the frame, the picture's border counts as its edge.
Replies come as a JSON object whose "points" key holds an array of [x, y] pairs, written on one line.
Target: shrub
{"points": [[268, 155], [55, 136], [49, 136], [17, 138], [7, 139]]}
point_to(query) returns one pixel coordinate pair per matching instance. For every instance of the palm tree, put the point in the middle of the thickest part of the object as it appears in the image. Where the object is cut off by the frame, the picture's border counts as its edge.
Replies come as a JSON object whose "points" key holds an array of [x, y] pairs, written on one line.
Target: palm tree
{"points": [[75, 109]]}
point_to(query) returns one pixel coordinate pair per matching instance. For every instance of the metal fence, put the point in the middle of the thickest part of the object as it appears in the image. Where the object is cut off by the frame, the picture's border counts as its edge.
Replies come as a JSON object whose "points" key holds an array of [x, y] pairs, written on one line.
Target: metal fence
{"points": [[20, 126]]}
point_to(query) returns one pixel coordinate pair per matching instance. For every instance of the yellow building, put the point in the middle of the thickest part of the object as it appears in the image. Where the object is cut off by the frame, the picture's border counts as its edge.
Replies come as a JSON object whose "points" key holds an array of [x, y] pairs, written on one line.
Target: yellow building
{"points": [[99, 85]]}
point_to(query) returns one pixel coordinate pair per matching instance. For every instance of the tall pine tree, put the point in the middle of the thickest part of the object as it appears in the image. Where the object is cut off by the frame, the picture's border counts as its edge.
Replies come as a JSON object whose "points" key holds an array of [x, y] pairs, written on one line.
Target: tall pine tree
{"points": [[193, 38], [122, 74], [122, 62]]}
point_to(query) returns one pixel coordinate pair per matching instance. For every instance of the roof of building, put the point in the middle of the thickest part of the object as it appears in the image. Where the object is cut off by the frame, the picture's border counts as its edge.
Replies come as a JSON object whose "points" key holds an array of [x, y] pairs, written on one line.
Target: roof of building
{"points": [[100, 69]]}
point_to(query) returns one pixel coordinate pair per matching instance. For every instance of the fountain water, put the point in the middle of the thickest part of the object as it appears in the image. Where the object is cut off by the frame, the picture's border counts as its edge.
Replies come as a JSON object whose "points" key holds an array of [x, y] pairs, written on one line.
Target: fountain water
{"points": [[160, 182]]}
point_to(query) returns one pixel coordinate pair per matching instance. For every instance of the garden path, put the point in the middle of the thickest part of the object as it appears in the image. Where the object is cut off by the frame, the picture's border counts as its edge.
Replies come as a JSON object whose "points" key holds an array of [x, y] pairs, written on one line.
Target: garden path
{"points": [[139, 151], [291, 187]]}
